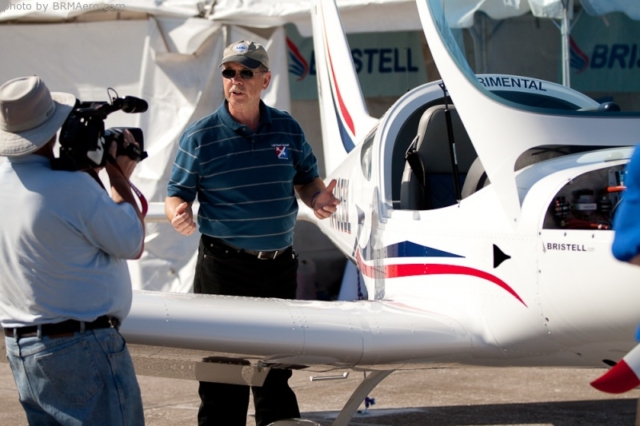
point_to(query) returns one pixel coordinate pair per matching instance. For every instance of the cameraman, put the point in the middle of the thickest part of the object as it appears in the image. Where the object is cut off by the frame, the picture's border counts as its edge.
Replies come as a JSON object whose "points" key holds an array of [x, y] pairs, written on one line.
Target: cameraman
{"points": [[64, 280]]}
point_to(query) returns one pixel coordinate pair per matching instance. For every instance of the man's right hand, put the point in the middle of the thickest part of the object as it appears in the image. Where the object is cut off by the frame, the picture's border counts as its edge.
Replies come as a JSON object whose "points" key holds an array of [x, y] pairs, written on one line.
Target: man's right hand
{"points": [[182, 219], [126, 164]]}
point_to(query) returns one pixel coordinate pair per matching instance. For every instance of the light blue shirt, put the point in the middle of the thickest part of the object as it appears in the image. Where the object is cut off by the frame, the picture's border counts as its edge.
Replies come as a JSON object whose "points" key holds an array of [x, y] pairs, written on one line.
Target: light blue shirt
{"points": [[63, 246]]}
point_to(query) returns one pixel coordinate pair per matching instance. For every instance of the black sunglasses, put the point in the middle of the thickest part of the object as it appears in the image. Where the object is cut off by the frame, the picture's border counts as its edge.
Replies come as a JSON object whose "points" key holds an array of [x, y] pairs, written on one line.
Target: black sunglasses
{"points": [[245, 74]]}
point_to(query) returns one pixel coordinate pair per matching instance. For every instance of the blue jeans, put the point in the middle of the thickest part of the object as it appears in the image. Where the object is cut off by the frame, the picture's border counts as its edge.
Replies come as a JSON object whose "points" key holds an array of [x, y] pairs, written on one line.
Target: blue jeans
{"points": [[84, 379]]}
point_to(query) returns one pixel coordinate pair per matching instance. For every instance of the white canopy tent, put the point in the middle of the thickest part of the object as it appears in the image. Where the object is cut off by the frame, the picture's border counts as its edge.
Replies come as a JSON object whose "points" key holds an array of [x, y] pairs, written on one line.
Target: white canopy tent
{"points": [[171, 60], [167, 52], [357, 15]]}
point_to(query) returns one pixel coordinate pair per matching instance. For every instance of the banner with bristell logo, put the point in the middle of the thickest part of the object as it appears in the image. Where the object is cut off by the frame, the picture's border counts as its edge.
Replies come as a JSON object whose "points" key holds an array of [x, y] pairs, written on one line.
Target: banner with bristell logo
{"points": [[388, 64], [605, 54]]}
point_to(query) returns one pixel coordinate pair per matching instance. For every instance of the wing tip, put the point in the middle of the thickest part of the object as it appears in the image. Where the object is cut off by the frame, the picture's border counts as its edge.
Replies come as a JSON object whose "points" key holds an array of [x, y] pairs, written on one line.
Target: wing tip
{"points": [[619, 379]]}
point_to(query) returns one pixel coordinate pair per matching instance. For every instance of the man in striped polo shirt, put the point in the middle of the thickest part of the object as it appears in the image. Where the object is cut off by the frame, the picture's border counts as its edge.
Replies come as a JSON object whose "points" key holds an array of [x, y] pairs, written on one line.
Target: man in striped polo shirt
{"points": [[245, 162]]}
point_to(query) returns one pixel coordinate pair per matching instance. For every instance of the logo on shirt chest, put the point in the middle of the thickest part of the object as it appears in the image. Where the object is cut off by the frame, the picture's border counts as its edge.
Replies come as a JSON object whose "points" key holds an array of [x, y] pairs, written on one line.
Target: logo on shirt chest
{"points": [[282, 151]]}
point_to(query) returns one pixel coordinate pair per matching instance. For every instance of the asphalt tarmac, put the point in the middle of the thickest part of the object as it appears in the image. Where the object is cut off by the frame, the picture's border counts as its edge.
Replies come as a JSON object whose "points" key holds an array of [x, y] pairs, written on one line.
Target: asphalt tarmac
{"points": [[442, 397]]}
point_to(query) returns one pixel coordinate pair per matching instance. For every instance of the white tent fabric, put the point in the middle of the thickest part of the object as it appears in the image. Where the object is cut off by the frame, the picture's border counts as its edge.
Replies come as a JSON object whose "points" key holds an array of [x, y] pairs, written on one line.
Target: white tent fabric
{"points": [[80, 58], [397, 15], [357, 15], [168, 52], [461, 12], [177, 81], [49, 10], [172, 62]]}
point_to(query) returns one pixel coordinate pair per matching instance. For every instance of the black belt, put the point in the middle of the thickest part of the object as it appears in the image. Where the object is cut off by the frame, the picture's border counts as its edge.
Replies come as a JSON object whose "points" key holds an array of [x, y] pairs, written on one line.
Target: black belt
{"points": [[61, 329], [262, 255]]}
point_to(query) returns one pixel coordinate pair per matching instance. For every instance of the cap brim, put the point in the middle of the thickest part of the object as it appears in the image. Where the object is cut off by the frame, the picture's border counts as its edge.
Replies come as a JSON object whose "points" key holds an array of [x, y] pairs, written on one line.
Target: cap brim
{"points": [[22, 143], [243, 60]]}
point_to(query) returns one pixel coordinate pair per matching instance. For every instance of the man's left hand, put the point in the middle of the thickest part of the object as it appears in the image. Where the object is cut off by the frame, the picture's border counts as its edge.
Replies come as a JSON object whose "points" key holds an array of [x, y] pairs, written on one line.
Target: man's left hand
{"points": [[325, 203]]}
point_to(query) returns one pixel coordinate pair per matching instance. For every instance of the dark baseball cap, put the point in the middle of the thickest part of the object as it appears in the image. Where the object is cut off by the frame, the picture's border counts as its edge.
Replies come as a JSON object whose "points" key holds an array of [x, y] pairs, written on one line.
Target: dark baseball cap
{"points": [[248, 53]]}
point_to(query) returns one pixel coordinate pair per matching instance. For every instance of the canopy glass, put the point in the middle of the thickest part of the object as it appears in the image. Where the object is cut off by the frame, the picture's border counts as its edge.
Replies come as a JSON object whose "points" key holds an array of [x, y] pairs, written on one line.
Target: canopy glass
{"points": [[590, 46]]}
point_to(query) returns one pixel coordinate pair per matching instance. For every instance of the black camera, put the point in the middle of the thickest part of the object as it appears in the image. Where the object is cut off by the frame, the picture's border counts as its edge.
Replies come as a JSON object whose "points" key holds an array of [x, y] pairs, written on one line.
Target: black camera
{"points": [[84, 142], [135, 152]]}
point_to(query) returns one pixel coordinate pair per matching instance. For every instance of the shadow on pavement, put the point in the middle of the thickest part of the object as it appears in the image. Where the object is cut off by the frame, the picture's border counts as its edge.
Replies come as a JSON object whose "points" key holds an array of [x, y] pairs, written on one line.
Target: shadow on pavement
{"points": [[614, 412]]}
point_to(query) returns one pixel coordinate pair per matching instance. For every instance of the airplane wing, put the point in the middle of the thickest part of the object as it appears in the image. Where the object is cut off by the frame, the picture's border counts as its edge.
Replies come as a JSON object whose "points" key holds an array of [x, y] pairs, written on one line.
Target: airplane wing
{"points": [[276, 331]]}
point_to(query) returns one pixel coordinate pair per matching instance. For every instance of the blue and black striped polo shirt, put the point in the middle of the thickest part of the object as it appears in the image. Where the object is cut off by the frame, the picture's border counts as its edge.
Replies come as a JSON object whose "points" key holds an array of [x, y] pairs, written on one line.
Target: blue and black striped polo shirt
{"points": [[244, 181]]}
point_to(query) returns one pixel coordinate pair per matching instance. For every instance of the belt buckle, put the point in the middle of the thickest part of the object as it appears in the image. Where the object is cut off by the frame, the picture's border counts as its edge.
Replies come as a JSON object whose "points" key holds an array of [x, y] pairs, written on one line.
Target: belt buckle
{"points": [[265, 257], [115, 322]]}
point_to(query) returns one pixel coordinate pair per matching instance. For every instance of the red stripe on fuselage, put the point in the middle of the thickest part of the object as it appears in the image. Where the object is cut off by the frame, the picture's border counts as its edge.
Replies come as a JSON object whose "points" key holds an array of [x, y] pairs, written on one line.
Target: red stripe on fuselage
{"points": [[413, 269]]}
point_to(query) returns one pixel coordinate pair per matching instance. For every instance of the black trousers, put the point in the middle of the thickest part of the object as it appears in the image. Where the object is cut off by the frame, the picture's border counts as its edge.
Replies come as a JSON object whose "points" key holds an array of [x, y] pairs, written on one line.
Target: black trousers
{"points": [[226, 272]]}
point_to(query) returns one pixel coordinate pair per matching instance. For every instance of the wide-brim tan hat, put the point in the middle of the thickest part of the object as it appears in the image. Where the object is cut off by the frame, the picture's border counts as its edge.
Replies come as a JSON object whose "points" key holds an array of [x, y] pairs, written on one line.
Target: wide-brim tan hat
{"points": [[30, 115]]}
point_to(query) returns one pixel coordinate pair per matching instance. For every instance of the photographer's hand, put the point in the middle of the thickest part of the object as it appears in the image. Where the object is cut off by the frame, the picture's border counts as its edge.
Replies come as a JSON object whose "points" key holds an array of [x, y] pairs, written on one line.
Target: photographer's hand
{"points": [[119, 172], [126, 164], [180, 214]]}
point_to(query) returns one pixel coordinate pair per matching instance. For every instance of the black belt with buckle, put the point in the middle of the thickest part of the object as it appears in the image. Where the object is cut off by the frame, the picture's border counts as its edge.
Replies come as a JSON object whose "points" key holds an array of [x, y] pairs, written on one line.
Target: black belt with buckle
{"points": [[262, 255], [61, 329]]}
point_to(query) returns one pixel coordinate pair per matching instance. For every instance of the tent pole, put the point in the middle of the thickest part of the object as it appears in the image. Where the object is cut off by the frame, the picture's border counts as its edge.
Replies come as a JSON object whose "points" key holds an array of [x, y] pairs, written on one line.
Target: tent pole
{"points": [[567, 11]]}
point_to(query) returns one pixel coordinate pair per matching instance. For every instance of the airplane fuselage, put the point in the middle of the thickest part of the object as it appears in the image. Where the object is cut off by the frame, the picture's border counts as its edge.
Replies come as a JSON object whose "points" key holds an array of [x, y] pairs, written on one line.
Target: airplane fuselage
{"points": [[534, 291]]}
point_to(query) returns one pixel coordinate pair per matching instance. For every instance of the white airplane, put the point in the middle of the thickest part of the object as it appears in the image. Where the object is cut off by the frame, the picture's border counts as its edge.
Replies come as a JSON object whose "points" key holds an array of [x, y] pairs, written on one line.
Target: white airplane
{"points": [[490, 247]]}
